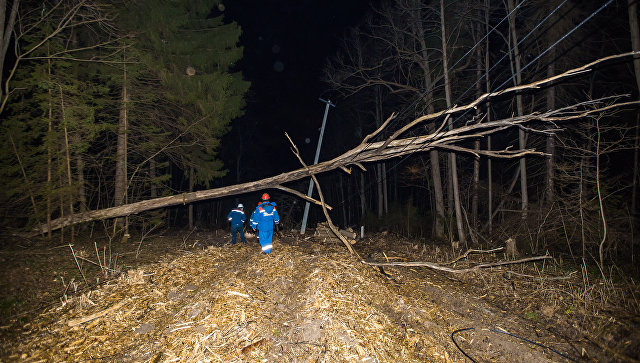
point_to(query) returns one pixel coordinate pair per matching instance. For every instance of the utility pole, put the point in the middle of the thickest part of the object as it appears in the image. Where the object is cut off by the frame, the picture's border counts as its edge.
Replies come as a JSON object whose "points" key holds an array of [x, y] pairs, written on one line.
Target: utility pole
{"points": [[315, 161]]}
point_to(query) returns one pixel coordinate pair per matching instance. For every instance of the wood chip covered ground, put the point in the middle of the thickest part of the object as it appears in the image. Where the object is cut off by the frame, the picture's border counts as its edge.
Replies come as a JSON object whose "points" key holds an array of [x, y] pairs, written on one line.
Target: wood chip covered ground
{"points": [[307, 301]]}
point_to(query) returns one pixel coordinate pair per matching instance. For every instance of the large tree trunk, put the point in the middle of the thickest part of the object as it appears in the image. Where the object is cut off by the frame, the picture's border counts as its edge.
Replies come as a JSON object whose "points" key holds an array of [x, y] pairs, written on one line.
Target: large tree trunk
{"points": [[343, 204], [634, 189], [380, 192], [152, 178], [635, 46], [434, 155], [434, 160], [82, 191], [385, 188], [373, 152], [452, 156], [487, 5], [49, 140], [190, 208], [68, 160], [520, 107], [6, 30], [476, 144], [121, 149], [363, 201], [379, 168], [550, 144]]}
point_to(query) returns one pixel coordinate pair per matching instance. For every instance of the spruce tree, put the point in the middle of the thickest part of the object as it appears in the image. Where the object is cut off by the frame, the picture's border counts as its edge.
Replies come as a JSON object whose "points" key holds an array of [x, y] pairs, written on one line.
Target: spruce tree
{"points": [[192, 51]]}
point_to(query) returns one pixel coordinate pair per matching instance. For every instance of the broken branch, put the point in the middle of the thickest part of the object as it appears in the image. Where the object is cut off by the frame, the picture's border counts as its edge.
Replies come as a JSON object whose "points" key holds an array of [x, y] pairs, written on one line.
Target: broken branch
{"points": [[376, 151], [436, 266]]}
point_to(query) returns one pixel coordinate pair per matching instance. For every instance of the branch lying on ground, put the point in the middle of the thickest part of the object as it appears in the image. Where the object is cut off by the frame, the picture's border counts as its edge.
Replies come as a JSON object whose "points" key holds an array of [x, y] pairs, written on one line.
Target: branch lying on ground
{"points": [[470, 251], [438, 267]]}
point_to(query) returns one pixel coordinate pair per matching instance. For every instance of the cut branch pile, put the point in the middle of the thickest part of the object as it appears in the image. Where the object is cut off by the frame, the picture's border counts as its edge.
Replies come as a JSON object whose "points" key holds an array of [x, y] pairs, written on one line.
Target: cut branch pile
{"points": [[392, 147], [324, 232]]}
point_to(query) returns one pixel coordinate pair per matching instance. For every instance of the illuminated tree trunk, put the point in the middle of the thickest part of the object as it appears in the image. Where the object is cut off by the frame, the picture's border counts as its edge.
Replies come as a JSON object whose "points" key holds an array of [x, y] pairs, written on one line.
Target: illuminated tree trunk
{"points": [[550, 144], [434, 155], [6, 30], [152, 177], [635, 45], [452, 156], [49, 152], [190, 208], [488, 89], [521, 133], [121, 149], [68, 160]]}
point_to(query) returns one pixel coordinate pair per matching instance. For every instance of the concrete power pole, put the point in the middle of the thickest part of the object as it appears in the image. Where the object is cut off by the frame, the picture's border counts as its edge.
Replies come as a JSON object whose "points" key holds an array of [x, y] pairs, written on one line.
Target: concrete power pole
{"points": [[315, 161]]}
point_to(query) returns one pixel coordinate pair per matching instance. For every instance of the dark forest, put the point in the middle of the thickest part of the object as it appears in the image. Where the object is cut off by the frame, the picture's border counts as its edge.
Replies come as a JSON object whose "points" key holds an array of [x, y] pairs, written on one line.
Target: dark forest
{"points": [[418, 180]]}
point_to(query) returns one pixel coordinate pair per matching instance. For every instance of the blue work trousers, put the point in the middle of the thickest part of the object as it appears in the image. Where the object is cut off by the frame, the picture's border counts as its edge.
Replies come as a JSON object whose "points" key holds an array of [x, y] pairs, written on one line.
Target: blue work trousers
{"points": [[237, 229], [265, 237]]}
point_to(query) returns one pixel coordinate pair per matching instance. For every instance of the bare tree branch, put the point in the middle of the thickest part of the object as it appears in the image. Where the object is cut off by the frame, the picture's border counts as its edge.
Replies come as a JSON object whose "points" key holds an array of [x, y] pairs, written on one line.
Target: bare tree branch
{"points": [[374, 151]]}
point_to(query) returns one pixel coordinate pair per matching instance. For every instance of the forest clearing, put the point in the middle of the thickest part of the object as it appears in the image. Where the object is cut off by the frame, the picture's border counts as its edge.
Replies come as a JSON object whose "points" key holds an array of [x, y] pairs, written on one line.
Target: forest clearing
{"points": [[418, 180], [209, 300]]}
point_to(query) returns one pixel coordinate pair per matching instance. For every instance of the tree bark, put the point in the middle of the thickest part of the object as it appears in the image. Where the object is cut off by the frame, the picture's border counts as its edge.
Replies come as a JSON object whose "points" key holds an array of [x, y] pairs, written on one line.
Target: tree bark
{"points": [[452, 156], [190, 207], [363, 201], [343, 204], [379, 167], [82, 191], [634, 189], [635, 46], [380, 192], [550, 144], [434, 155], [48, 140], [6, 30], [476, 144], [152, 178], [385, 188], [520, 108], [488, 89], [68, 159], [121, 148]]}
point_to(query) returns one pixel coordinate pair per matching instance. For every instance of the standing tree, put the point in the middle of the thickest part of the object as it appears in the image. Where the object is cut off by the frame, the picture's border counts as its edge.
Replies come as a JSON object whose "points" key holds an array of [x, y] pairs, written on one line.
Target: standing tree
{"points": [[192, 52]]}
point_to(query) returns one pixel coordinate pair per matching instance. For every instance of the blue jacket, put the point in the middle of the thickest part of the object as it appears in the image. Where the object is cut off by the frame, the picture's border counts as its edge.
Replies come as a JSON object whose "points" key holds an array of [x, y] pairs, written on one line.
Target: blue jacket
{"points": [[264, 216], [236, 217]]}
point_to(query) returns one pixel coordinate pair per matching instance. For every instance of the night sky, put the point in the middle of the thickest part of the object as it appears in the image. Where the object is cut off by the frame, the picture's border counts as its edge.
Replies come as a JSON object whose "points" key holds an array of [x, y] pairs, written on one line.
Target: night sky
{"points": [[286, 44]]}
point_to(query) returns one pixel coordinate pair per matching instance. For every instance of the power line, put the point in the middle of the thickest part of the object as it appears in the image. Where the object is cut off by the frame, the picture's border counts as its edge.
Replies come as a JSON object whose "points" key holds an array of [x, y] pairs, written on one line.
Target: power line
{"points": [[433, 85], [495, 65], [522, 69]]}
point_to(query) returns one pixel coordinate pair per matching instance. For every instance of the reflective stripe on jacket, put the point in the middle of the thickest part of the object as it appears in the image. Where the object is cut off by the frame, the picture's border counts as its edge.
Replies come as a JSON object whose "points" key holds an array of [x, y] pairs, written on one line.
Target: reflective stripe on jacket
{"points": [[264, 216], [236, 217]]}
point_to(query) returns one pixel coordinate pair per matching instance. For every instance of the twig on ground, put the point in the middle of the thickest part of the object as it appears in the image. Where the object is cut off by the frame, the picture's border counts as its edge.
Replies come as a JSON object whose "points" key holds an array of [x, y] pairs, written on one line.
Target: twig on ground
{"points": [[85, 319], [470, 251], [78, 264]]}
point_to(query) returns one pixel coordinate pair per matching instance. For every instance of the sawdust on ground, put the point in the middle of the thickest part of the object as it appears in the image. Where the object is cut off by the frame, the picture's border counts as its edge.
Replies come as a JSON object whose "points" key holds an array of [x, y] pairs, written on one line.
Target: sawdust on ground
{"points": [[307, 301]]}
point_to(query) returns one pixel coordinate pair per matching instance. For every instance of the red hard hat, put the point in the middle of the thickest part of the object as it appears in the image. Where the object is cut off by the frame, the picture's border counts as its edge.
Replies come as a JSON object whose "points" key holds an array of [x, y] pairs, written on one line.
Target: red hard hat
{"points": [[265, 196]]}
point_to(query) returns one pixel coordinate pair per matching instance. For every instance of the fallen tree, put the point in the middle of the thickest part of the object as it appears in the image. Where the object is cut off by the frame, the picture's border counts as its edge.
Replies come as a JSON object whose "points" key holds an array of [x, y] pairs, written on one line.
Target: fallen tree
{"points": [[391, 147]]}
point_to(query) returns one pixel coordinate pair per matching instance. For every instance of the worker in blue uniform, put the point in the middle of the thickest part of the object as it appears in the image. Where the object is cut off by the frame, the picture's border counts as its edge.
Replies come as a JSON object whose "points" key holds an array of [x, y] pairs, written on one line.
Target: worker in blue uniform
{"points": [[262, 220], [237, 219]]}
